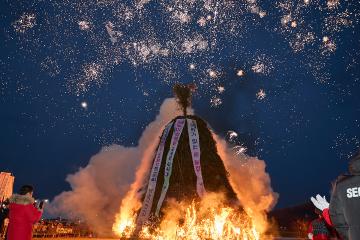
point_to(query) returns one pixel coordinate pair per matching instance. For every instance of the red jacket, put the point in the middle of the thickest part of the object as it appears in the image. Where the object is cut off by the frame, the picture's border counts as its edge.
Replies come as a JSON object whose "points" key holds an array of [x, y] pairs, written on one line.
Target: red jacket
{"points": [[326, 216], [22, 216], [319, 229]]}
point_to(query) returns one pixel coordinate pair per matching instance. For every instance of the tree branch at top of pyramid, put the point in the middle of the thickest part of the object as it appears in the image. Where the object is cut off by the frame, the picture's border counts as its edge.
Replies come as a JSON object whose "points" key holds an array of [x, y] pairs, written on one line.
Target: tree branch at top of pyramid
{"points": [[183, 95]]}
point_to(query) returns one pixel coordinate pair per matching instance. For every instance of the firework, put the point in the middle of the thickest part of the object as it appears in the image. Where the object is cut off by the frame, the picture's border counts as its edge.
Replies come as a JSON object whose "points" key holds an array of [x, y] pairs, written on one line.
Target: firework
{"points": [[262, 65], [114, 35], [240, 73], [239, 149], [85, 43], [215, 101], [25, 22], [232, 135], [84, 25], [221, 89], [261, 94]]}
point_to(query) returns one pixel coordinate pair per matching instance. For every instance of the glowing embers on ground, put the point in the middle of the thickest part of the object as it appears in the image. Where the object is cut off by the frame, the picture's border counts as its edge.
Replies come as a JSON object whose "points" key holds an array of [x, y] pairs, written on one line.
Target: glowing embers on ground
{"points": [[210, 218]]}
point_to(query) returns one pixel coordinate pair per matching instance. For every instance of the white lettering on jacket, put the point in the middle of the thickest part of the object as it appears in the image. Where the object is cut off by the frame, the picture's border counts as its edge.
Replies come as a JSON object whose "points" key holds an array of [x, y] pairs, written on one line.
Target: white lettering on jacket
{"points": [[353, 192]]}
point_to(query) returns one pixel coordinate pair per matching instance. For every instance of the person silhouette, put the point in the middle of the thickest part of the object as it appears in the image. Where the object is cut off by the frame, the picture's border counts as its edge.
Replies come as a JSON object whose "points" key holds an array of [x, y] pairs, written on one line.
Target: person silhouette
{"points": [[22, 214], [318, 228], [343, 211]]}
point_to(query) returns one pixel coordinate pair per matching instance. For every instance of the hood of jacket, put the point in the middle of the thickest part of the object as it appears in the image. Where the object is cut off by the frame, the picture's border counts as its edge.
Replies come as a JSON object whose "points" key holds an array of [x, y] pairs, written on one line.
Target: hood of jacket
{"points": [[354, 164], [21, 199]]}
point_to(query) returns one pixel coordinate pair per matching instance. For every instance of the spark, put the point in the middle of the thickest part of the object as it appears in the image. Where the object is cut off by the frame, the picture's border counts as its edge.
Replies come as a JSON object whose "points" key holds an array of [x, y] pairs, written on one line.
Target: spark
{"points": [[213, 73], [91, 75], [285, 19], [202, 21], [84, 25], [114, 35], [192, 66], [183, 17], [328, 47], [92, 71], [254, 8], [221, 89], [240, 73], [333, 4], [239, 149], [261, 94], [232, 135], [215, 101], [336, 23], [325, 39], [198, 43], [84, 105], [25, 22], [301, 40], [262, 65], [262, 14], [258, 67]]}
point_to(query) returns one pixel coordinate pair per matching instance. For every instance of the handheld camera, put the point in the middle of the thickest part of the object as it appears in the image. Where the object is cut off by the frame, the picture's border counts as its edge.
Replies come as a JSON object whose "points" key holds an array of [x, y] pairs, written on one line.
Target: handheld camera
{"points": [[42, 202]]}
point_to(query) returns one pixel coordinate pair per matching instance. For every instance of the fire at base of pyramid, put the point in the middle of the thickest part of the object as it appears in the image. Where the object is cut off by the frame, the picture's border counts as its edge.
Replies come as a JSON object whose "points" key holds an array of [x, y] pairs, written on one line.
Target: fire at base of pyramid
{"points": [[187, 191]]}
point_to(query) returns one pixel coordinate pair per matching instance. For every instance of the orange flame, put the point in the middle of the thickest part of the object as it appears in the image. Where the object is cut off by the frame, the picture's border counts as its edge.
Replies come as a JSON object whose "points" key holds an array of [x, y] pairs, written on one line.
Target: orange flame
{"points": [[208, 219]]}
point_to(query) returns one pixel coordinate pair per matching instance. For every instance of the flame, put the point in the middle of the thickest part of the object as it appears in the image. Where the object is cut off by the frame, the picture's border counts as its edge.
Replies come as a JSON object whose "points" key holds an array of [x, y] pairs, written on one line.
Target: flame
{"points": [[126, 220], [209, 218]]}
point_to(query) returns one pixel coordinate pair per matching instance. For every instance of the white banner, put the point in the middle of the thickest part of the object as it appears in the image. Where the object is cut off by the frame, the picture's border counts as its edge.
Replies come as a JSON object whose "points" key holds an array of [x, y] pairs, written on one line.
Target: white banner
{"points": [[149, 196], [195, 153], [179, 125]]}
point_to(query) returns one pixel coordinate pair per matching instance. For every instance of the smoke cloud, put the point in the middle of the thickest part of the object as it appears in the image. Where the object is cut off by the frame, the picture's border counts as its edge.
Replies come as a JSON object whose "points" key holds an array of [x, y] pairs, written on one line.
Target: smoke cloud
{"points": [[250, 182], [113, 179]]}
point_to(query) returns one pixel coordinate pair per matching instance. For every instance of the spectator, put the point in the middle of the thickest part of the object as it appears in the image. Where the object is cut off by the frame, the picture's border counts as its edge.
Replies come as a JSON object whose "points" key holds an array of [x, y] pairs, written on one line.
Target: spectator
{"points": [[318, 228], [343, 212], [4, 215], [23, 214]]}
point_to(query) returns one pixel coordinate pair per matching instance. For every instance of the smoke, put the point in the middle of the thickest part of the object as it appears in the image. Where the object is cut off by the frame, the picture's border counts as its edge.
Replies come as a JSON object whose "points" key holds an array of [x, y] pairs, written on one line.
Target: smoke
{"points": [[250, 182], [98, 188]]}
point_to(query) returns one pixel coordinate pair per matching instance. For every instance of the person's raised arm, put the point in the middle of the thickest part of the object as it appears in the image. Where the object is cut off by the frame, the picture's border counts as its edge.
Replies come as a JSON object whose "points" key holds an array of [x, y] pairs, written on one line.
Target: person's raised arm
{"points": [[34, 214]]}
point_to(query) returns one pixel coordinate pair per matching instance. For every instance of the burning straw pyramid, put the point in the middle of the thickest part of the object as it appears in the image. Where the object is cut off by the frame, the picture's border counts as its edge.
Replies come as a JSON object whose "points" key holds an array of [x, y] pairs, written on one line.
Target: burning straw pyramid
{"points": [[186, 165]]}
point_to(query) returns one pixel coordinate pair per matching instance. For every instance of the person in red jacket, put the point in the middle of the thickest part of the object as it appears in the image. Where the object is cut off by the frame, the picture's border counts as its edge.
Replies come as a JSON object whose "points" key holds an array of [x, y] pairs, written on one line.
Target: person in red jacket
{"points": [[318, 229], [22, 214], [322, 205]]}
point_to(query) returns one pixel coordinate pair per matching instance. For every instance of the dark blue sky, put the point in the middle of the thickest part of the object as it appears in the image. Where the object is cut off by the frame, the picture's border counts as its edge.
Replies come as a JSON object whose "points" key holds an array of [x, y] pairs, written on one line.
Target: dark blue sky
{"points": [[122, 59]]}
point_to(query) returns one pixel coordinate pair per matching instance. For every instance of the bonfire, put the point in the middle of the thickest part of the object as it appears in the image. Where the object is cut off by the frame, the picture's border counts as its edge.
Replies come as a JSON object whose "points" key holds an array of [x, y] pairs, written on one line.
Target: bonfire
{"points": [[187, 194]]}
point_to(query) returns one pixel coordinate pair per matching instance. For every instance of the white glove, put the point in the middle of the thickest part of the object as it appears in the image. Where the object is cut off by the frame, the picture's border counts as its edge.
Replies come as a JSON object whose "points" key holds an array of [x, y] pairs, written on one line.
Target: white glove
{"points": [[320, 202], [310, 235]]}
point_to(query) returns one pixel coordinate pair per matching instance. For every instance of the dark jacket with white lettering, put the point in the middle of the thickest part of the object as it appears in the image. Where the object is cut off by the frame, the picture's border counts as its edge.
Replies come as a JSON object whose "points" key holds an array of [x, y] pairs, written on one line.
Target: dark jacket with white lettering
{"points": [[345, 202]]}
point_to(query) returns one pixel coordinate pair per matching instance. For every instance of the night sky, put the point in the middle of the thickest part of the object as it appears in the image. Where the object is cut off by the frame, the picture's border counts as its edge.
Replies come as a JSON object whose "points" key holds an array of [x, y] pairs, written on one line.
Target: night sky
{"points": [[77, 75]]}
